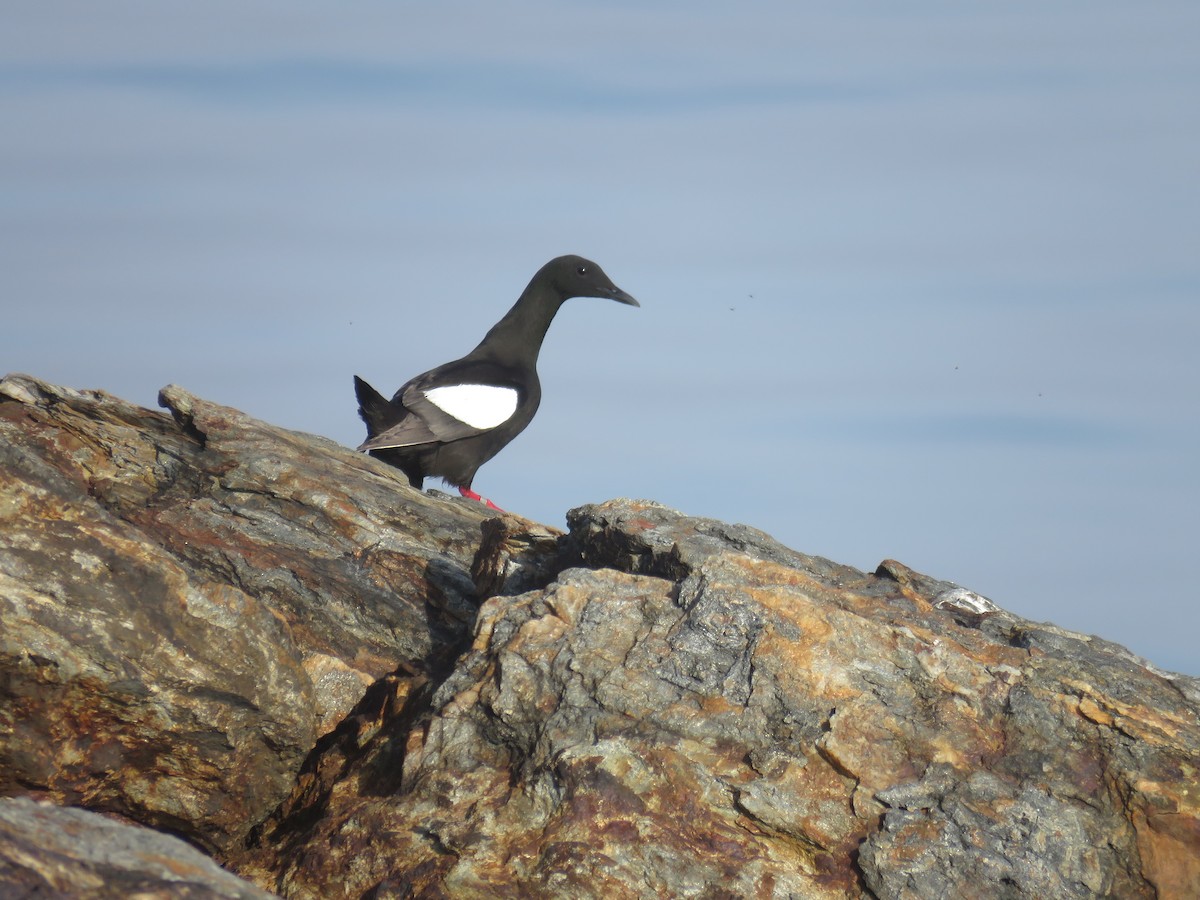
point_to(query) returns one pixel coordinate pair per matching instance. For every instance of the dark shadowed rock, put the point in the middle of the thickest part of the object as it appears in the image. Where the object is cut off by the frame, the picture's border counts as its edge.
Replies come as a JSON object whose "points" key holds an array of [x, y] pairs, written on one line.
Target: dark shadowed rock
{"points": [[514, 556], [651, 705]]}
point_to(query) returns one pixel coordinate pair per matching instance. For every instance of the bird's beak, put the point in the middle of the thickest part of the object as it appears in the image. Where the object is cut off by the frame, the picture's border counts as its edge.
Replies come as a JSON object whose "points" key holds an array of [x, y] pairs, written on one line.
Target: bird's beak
{"points": [[621, 297]]}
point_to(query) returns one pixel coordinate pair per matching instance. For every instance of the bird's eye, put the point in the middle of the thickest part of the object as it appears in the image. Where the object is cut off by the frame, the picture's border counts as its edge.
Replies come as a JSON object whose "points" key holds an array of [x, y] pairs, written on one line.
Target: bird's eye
{"points": [[582, 270]]}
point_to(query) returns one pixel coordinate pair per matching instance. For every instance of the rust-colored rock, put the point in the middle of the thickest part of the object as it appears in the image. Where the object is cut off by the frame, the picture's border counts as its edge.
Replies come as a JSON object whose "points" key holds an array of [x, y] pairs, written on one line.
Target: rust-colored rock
{"points": [[189, 600], [651, 705], [734, 719]]}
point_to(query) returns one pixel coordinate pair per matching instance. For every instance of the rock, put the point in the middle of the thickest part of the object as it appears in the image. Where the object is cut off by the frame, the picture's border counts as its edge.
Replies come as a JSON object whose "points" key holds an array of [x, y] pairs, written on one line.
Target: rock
{"points": [[706, 713], [651, 705], [47, 851], [190, 600], [514, 556]]}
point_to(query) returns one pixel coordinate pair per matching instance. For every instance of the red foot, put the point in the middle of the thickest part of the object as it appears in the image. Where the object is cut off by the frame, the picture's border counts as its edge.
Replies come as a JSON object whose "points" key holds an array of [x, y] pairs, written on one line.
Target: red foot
{"points": [[471, 495]]}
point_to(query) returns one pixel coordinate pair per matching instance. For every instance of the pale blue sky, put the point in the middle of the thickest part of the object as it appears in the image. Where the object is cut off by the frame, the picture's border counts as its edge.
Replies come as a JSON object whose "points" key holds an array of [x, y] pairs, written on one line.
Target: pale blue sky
{"points": [[917, 282]]}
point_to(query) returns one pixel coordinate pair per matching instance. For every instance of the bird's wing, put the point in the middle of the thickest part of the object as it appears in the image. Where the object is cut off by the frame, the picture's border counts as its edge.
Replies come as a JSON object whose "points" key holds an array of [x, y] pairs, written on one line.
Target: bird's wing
{"points": [[449, 403], [411, 432]]}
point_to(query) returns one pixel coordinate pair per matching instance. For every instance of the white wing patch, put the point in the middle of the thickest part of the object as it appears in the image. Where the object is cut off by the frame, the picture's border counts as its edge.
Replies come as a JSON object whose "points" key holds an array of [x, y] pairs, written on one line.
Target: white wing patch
{"points": [[478, 405]]}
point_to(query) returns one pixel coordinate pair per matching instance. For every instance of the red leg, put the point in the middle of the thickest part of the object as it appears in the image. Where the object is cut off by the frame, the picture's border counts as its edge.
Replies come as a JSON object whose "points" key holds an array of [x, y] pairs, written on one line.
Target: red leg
{"points": [[471, 495]]}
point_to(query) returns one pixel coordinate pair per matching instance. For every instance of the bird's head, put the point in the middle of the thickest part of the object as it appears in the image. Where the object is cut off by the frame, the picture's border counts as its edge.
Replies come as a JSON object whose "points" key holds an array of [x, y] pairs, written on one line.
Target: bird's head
{"points": [[574, 276]]}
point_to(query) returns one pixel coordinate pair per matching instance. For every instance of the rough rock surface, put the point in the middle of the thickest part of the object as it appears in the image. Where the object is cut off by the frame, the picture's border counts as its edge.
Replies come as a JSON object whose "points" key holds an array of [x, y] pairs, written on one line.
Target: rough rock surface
{"points": [[649, 706], [701, 712], [189, 600], [48, 851]]}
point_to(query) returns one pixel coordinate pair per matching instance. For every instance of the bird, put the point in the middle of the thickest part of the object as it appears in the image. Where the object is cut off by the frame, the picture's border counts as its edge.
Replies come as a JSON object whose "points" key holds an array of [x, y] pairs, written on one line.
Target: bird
{"points": [[449, 421]]}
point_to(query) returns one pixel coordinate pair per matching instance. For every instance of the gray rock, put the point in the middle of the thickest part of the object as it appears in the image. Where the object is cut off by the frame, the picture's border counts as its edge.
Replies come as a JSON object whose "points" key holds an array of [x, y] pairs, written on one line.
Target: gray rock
{"points": [[745, 721], [272, 645], [48, 851], [190, 600]]}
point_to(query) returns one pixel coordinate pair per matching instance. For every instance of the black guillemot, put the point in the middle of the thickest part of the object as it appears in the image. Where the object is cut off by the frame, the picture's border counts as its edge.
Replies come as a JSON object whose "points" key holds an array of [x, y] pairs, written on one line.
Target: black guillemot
{"points": [[451, 420]]}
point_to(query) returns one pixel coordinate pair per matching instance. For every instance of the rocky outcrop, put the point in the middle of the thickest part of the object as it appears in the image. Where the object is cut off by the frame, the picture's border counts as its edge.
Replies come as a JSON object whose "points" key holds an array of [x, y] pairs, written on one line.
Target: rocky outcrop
{"points": [[273, 647], [190, 600]]}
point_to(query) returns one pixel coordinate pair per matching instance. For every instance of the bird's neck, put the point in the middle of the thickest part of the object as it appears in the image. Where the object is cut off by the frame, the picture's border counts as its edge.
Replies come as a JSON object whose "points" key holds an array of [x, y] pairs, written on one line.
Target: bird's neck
{"points": [[517, 338]]}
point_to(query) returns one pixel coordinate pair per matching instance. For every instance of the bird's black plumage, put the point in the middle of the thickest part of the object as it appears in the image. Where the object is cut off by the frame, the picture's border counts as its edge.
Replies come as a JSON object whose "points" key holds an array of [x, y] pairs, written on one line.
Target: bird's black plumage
{"points": [[452, 419]]}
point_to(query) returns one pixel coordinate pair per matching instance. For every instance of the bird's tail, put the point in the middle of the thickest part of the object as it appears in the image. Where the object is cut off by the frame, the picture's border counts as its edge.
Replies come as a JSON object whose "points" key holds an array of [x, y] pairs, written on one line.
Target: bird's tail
{"points": [[374, 408]]}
